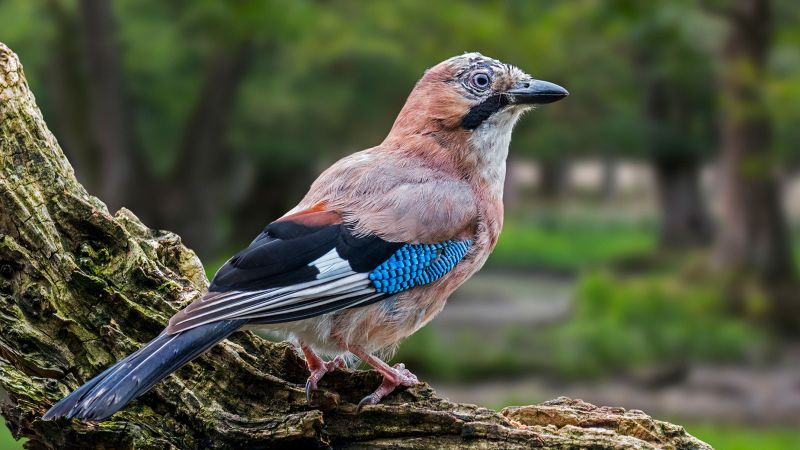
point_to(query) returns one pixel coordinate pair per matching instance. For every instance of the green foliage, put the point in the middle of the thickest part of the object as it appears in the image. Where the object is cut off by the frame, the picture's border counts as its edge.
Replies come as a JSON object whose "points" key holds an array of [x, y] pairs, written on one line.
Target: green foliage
{"points": [[7, 441], [625, 323], [797, 251], [325, 79], [312, 64], [617, 324], [560, 242], [796, 246], [783, 89], [737, 437], [469, 356]]}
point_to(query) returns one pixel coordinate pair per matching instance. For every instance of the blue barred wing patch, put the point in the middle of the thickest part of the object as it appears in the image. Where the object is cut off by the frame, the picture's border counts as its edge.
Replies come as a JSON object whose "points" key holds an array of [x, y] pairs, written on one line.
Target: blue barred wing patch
{"points": [[417, 264]]}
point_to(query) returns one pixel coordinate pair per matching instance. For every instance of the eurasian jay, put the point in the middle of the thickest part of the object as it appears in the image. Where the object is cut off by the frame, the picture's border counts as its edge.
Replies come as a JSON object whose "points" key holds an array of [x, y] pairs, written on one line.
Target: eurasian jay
{"points": [[371, 253]]}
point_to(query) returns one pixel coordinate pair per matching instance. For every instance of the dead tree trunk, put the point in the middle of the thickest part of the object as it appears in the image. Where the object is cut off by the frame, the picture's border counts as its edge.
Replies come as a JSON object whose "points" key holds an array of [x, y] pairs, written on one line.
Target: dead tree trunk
{"points": [[80, 288]]}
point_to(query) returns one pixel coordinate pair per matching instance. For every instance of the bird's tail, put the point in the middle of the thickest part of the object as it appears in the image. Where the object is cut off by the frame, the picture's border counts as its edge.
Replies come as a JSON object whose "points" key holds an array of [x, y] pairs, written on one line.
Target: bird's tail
{"points": [[110, 391]]}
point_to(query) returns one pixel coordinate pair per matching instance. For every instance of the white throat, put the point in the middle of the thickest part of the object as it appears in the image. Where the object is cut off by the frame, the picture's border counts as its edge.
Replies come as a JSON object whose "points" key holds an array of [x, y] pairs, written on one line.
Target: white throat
{"points": [[489, 142]]}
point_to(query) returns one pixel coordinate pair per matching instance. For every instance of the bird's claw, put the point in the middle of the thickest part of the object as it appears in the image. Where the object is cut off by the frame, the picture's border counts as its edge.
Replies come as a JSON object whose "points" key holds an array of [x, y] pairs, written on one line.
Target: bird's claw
{"points": [[311, 385], [318, 372], [400, 377]]}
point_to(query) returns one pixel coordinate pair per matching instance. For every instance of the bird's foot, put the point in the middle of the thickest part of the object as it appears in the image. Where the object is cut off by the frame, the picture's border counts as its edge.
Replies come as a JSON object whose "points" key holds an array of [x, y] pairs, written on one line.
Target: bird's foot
{"points": [[398, 376], [318, 369]]}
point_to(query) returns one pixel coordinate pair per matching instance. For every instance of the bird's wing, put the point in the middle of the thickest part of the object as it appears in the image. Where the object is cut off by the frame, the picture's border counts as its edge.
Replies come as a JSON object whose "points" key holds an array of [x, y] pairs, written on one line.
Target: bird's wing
{"points": [[311, 263], [399, 197]]}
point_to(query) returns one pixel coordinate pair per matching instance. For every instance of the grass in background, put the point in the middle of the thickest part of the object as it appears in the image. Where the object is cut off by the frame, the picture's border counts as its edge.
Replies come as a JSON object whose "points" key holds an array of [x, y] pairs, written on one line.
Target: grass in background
{"points": [[796, 247], [617, 324], [564, 243], [625, 323], [737, 437], [7, 441], [470, 356]]}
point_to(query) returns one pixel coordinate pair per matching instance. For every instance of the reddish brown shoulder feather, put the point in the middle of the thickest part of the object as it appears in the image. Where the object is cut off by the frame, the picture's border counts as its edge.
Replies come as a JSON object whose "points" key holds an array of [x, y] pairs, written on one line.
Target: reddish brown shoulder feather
{"points": [[316, 216]]}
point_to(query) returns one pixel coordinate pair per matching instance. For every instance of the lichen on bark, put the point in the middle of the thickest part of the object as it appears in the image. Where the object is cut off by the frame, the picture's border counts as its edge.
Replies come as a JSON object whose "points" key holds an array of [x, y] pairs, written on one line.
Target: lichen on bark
{"points": [[80, 288]]}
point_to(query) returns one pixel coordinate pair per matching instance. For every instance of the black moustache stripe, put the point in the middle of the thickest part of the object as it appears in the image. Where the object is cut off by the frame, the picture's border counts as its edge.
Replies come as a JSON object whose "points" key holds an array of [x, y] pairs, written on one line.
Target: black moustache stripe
{"points": [[480, 112]]}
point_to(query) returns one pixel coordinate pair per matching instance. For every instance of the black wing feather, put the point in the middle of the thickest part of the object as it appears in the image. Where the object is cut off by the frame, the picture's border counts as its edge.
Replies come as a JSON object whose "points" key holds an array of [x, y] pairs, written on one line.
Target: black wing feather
{"points": [[281, 254], [269, 281], [271, 261]]}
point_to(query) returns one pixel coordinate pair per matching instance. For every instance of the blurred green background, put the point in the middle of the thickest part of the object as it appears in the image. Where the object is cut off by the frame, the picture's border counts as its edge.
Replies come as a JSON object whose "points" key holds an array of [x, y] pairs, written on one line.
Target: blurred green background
{"points": [[653, 218]]}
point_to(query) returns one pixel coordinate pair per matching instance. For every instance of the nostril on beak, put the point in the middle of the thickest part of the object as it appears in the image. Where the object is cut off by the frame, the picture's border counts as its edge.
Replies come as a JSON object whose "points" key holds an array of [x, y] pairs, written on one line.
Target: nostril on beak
{"points": [[536, 92]]}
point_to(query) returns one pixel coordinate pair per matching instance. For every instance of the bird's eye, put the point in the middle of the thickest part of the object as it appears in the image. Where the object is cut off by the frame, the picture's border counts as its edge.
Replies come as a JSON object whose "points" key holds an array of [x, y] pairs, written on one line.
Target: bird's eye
{"points": [[480, 80]]}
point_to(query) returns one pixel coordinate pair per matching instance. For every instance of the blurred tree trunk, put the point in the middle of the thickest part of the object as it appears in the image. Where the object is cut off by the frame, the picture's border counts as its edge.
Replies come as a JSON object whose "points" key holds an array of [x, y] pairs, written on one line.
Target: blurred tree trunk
{"points": [[553, 177], [98, 137], [80, 288], [122, 175], [68, 97], [101, 137], [753, 231], [194, 191], [609, 183], [272, 193], [684, 221], [110, 122]]}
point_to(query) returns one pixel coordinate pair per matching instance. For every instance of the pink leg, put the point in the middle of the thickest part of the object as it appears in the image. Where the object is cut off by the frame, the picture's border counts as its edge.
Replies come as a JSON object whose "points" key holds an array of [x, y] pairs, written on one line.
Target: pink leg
{"points": [[318, 368], [392, 377]]}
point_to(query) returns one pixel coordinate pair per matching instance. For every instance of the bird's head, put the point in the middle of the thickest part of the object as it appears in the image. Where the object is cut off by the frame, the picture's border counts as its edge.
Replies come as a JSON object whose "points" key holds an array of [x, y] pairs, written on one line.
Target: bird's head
{"points": [[469, 105]]}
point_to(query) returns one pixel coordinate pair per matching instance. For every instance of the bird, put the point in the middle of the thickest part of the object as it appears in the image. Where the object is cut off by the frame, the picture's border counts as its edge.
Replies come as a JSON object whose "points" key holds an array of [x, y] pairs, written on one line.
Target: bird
{"points": [[370, 254]]}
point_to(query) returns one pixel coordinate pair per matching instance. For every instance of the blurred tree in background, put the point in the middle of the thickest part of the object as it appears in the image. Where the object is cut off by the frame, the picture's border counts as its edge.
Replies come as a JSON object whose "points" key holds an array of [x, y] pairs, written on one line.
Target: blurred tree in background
{"points": [[754, 232], [676, 80], [209, 118]]}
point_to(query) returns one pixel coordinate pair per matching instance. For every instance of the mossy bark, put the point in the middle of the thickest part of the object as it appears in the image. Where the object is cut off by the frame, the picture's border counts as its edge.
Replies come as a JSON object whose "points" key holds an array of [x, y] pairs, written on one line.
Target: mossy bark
{"points": [[80, 288]]}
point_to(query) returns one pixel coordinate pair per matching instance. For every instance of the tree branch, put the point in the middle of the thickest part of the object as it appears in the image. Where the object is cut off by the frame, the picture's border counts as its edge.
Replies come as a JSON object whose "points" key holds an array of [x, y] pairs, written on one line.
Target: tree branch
{"points": [[80, 288]]}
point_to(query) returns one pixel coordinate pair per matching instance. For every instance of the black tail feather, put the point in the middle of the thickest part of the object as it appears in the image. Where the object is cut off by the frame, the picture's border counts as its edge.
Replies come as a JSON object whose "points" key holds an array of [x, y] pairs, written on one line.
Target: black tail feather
{"points": [[118, 385]]}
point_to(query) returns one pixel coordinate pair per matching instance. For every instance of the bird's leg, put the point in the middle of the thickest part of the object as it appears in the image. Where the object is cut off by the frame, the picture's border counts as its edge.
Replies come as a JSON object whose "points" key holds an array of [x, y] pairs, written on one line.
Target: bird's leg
{"points": [[393, 376], [318, 368]]}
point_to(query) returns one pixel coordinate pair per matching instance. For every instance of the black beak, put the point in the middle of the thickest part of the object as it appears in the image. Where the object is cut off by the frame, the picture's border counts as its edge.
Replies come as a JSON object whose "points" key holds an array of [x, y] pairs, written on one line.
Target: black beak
{"points": [[536, 92]]}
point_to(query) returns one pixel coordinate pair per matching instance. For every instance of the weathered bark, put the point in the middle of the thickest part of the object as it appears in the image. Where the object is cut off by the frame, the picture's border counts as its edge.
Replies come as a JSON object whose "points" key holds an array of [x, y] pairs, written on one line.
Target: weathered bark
{"points": [[753, 232], [80, 288]]}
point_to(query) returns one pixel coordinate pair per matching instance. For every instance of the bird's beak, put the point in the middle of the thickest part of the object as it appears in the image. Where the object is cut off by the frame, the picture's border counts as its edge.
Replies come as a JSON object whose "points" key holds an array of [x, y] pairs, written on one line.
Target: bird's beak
{"points": [[536, 92]]}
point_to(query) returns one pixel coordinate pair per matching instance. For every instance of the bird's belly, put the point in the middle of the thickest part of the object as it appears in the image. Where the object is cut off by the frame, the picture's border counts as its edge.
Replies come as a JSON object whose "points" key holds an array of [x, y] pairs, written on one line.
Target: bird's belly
{"points": [[376, 327], [381, 326], [313, 332]]}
